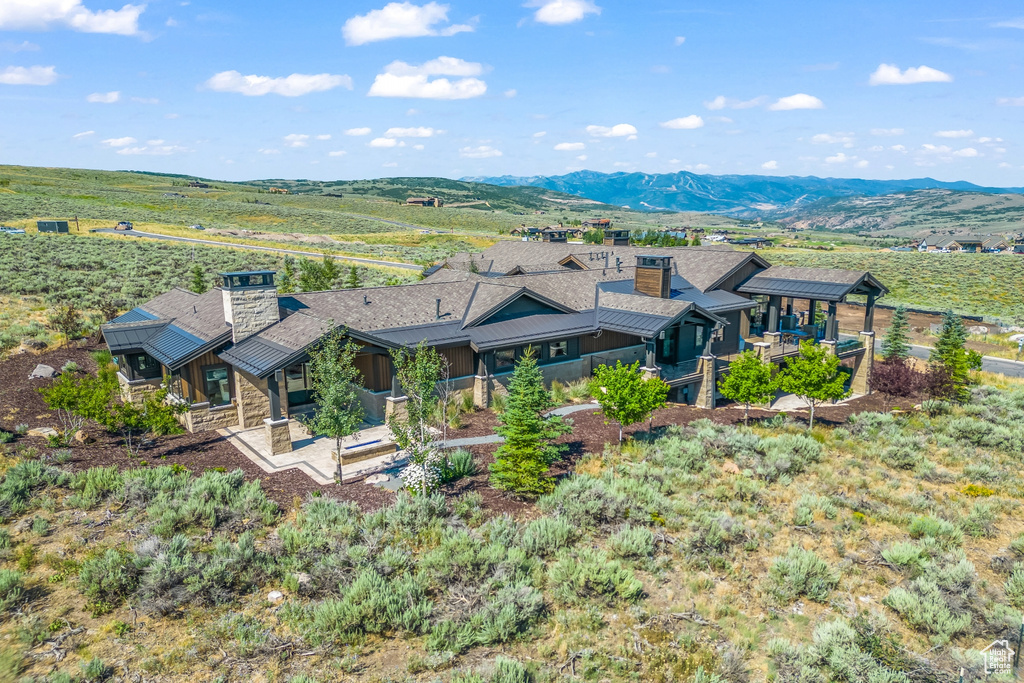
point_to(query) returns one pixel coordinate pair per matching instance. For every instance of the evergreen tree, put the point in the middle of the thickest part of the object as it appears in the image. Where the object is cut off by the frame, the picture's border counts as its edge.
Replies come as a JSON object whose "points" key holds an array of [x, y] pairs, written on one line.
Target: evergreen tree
{"points": [[813, 376], [953, 362], [198, 283], [311, 276], [749, 381], [329, 272], [695, 242], [352, 281], [335, 383], [896, 345], [286, 283], [627, 397], [523, 460]]}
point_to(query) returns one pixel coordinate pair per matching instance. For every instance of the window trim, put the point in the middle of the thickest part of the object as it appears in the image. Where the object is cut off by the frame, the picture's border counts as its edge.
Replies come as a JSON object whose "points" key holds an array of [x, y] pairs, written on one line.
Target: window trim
{"points": [[231, 384]]}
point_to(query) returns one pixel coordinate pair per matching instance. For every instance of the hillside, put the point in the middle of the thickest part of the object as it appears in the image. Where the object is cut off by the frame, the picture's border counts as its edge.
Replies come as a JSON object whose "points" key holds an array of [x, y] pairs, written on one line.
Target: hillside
{"points": [[911, 214], [740, 195]]}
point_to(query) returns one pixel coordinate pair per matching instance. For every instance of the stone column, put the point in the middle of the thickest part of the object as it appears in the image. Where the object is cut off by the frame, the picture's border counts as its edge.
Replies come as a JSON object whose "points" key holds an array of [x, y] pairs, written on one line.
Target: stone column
{"points": [[763, 351], [706, 389], [394, 405], [279, 437], [860, 383], [773, 339], [830, 345]]}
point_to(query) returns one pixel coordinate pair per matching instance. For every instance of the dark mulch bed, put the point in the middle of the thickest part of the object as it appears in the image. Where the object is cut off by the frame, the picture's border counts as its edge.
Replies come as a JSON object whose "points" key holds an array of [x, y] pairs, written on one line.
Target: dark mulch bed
{"points": [[20, 402]]}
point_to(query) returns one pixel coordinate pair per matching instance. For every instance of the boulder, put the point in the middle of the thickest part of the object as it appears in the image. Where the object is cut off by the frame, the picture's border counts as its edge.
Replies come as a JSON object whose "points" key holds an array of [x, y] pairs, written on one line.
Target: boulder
{"points": [[44, 432], [43, 372], [30, 344], [730, 468], [375, 479], [275, 597], [82, 437], [977, 329], [1016, 337]]}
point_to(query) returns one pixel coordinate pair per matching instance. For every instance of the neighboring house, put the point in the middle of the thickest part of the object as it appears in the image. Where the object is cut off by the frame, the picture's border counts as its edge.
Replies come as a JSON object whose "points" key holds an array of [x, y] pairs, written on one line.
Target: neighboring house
{"points": [[278, 190], [964, 243], [196, 183], [1018, 249], [436, 202], [554, 233], [752, 242], [238, 354], [599, 223]]}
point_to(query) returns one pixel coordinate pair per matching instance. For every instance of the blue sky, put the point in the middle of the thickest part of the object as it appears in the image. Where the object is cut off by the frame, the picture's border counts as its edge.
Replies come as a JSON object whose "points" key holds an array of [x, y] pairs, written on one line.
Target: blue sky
{"points": [[359, 89]]}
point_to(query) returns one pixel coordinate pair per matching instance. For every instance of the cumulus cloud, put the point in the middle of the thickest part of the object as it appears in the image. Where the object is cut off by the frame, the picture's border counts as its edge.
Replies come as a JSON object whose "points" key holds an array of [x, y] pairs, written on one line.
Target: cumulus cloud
{"points": [[104, 97], [386, 142], [357, 131], [838, 158], [723, 102], [887, 132], [28, 75], [569, 146], [954, 133], [42, 15], [556, 12], [287, 86], [966, 152], [845, 139], [481, 152], [770, 165], [899, 148], [1010, 101], [406, 80], [510, 93], [679, 40], [684, 123], [936, 149], [23, 46], [296, 140], [863, 163], [337, 153], [798, 101], [153, 148], [120, 142], [890, 74], [323, 137], [401, 20], [619, 130], [417, 132]]}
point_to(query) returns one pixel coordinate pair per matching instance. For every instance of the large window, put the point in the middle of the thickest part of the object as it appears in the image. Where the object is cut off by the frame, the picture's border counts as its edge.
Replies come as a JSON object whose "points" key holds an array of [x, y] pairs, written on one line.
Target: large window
{"points": [[217, 384], [504, 359], [298, 386], [558, 349]]}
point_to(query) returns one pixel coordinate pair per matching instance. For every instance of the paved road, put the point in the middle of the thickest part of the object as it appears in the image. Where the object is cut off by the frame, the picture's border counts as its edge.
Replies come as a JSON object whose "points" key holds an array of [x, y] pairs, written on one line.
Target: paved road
{"points": [[276, 250], [1002, 366]]}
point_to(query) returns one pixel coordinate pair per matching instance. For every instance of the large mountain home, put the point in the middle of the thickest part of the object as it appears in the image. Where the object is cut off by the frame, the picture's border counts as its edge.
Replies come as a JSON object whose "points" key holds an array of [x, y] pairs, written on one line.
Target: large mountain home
{"points": [[964, 243], [238, 354]]}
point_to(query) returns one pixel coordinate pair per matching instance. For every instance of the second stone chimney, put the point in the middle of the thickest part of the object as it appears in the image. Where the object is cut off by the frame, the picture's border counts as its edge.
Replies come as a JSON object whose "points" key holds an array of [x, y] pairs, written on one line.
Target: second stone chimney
{"points": [[653, 276], [250, 302]]}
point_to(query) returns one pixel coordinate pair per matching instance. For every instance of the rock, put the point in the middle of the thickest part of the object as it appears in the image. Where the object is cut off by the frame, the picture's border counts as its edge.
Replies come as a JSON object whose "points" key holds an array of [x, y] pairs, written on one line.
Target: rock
{"points": [[1016, 337], [303, 578], [977, 329], [44, 432], [32, 345], [275, 597], [43, 372], [730, 468], [375, 479], [82, 437]]}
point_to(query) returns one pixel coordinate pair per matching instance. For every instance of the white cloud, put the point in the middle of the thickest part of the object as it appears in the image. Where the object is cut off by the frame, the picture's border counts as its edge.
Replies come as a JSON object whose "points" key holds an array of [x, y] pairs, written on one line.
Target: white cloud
{"points": [[695, 168], [337, 153], [1010, 23], [296, 140], [582, 157], [898, 148], [510, 93], [936, 149], [481, 152], [679, 40], [357, 131], [556, 12], [287, 86], [890, 74], [326, 136], [84, 134], [838, 158], [386, 142], [405, 80], [419, 147], [1010, 101], [120, 142], [845, 139], [966, 152], [154, 150], [954, 133], [684, 123], [104, 97], [723, 102], [876, 148], [269, 151], [400, 20], [41, 15], [569, 146], [863, 163], [651, 155], [619, 130], [28, 75], [770, 165], [417, 132], [798, 101], [887, 132], [540, 134], [23, 46]]}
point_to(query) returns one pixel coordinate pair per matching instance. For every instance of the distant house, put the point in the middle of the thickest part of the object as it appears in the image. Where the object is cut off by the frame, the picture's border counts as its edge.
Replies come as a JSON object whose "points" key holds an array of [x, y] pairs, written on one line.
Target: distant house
{"points": [[554, 233], [196, 183], [52, 226], [963, 243], [435, 202], [599, 223], [753, 242], [616, 238], [278, 190], [1018, 249]]}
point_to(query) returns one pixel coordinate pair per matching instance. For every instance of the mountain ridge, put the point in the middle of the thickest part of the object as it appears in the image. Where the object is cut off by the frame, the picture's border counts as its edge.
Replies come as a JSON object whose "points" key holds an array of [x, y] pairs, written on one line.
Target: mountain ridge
{"points": [[734, 194]]}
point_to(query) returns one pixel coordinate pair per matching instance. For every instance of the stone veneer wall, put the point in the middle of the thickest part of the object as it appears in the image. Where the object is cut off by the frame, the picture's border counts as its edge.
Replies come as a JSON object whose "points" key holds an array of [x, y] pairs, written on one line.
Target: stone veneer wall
{"points": [[253, 400], [250, 310], [136, 391], [203, 418]]}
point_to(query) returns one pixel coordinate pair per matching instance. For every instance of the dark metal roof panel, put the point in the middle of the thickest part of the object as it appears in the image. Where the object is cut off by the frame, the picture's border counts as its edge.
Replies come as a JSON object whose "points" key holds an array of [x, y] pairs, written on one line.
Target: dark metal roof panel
{"points": [[535, 328], [258, 357], [133, 316], [822, 291], [172, 344], [130, 336], [630, 322]]}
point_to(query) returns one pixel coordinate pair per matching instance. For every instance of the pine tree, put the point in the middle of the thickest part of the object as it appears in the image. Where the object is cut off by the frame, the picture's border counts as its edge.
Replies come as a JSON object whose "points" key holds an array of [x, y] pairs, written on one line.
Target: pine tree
{"points": [[953, 362], [329, 272], [749, 381], [198, 283], [896, 345], [352, 281], [813, 376], [286, 283], [335, 382], [523, 460]]}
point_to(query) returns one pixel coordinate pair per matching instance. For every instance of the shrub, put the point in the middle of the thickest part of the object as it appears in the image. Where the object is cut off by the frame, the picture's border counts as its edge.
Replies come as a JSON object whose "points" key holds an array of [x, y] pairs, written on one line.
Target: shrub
{"points": [[95, 670], [94, 485], [632, 541], [980, 521], [923, 606], [107, 579], [1015, 586], [70, 366], [906, 555], [21, 429], [509, 613], [590, 574], [11, 584], [935, 407], [510, 671], [1016, 545], [946, 533], [23, 481], [460, 464], [801, 572], [586, 502], [976, 491], [5, 539], [40, 526], [545, 535], [372, 604], [6, 437]]}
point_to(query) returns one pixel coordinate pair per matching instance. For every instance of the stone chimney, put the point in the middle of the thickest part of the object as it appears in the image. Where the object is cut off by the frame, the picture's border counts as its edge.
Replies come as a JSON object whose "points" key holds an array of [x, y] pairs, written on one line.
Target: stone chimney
{"points": [[653, 276], [250, 302]]}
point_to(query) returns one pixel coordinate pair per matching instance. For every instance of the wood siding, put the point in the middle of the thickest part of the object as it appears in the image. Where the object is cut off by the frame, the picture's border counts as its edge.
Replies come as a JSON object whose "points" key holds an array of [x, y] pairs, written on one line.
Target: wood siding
{"points": [[607, 341], [730, 283], [375, 369], [653, 281], [460, 360], [192, 385]]}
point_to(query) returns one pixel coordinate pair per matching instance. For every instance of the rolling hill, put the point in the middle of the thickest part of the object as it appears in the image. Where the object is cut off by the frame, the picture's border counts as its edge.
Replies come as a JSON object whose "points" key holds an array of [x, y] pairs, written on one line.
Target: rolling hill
{"points": [[738, 195]]}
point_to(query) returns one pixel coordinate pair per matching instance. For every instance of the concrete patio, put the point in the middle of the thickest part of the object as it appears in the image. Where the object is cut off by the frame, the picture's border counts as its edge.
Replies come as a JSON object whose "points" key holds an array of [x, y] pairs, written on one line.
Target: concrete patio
{"points": [[314, 456]]}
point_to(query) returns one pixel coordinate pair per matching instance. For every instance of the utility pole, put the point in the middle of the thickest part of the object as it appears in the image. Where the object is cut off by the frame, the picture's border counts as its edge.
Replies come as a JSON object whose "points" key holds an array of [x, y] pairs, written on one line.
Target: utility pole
{"points": [[77, 229]]}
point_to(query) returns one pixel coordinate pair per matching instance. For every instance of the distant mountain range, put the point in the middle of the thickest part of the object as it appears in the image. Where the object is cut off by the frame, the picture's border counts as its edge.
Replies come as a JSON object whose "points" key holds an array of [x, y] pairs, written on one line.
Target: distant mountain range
{"points": [[735, 195]]}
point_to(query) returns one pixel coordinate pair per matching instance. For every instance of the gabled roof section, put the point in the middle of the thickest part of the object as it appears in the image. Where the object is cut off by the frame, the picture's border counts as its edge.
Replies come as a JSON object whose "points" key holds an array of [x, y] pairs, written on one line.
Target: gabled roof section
{"points": [[128, 337], [489, 300], [823, 284], [274, 347], [136, 315]]}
